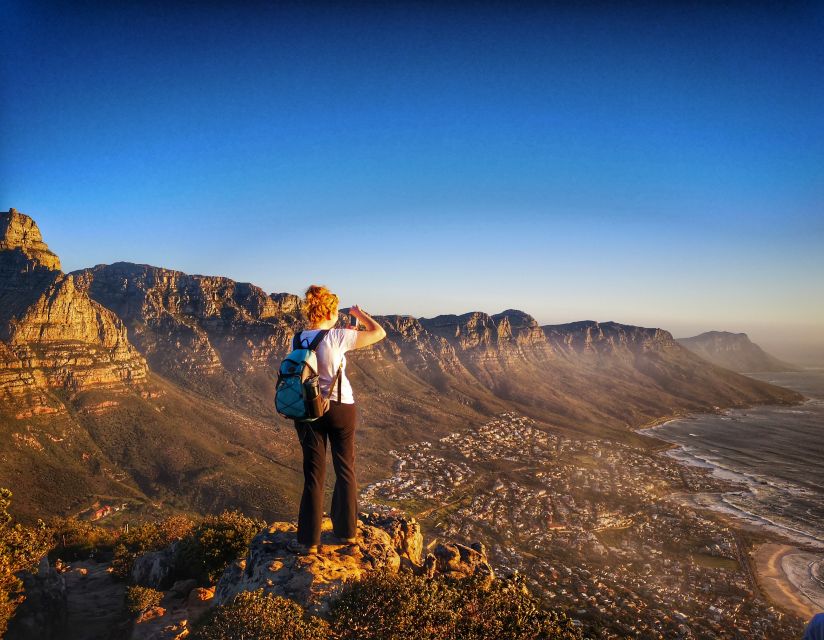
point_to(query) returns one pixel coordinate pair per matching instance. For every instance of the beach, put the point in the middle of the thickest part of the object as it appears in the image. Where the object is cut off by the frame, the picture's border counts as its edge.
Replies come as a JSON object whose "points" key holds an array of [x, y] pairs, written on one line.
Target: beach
{"points": [[784, 573], [774, 455]]}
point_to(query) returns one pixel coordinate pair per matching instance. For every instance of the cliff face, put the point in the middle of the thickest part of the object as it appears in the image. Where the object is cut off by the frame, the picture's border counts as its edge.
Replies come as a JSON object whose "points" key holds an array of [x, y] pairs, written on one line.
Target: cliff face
{"points": [[210, 334], [226, 338], [734, 351], [52, 335], [19, 234], [217, 322]]}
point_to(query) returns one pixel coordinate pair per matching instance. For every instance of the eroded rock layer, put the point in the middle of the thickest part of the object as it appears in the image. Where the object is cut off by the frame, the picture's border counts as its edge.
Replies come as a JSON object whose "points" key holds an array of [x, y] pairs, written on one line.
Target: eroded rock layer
{"points": [[52, 334]]}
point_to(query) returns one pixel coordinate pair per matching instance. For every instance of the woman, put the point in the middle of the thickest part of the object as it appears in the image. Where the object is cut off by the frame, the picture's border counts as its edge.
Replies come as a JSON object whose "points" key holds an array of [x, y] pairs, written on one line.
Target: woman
{"points": [[337, 425]]}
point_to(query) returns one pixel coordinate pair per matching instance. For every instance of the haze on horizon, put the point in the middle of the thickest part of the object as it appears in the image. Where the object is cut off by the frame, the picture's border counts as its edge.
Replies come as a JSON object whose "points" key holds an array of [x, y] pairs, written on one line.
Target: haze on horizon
{"points": [[653, 165]]}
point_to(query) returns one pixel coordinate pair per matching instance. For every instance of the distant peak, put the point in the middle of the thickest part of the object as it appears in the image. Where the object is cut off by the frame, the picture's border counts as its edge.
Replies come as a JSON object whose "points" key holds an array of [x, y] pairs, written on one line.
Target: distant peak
{"points": [[19, 232]]}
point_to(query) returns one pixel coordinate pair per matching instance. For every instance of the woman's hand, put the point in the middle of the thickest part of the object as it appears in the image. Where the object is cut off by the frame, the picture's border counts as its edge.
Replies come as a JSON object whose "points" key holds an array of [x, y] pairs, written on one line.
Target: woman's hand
{"points": [[372, 332]]}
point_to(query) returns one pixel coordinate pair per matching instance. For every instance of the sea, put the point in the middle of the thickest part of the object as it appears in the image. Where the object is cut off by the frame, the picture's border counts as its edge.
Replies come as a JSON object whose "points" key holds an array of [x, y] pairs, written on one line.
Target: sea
{"points": [[777, 452]]}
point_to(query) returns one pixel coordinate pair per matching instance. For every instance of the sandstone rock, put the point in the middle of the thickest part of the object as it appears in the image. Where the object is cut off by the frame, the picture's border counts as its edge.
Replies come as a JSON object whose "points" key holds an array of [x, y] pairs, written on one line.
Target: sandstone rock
{"points": [[608, 338], [182, 607], [52, 335], [459, 561], [150, 614], [404, 532], [313, 580], [182, 588], [223, 327], [43, 613], [200, 594], [155, 568], [18, 232]]}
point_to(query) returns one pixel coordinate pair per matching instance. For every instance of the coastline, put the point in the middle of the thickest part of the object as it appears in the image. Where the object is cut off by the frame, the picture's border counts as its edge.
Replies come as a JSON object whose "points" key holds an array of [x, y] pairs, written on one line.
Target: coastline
{"points": [[786, 562], [784, 574]]}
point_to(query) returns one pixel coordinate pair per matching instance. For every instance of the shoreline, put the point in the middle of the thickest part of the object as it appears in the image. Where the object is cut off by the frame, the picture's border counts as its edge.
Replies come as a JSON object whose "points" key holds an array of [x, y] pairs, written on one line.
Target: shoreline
{"points": [[786, 561], [784, 575]]}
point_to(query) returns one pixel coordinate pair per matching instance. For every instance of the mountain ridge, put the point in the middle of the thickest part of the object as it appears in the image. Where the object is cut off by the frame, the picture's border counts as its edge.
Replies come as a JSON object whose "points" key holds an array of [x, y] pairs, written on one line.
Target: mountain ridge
{"points": [[194, 398], [734, 351]]}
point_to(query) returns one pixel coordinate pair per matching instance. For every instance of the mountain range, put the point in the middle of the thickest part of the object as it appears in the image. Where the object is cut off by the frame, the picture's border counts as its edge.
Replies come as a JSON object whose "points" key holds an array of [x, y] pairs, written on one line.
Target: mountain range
{"points": [[135, 384]]}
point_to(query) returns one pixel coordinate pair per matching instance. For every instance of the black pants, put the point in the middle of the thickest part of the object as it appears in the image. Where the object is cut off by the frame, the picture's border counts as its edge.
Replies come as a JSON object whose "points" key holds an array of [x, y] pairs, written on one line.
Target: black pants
{"points": [[338, 426]]}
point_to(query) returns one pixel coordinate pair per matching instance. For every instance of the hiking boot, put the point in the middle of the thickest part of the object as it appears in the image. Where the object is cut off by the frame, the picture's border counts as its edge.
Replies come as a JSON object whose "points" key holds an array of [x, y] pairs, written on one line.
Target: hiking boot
{"points": [[301, 549], [340, 540]]}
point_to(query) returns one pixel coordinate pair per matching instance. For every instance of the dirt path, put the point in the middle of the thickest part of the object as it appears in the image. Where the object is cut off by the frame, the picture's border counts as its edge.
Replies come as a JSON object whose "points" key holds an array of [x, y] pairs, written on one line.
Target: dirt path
{"points": [[94, 603], [775, 583]]}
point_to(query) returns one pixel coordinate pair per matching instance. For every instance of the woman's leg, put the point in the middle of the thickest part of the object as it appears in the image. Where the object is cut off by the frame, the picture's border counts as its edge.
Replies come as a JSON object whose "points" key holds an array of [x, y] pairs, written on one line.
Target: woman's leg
{"points": [[312, 438], [342, 418]]}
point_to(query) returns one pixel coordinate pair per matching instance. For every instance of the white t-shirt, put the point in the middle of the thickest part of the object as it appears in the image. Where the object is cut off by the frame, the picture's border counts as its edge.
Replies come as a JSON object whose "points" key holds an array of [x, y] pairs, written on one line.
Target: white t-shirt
{"points": [[330, 354]]}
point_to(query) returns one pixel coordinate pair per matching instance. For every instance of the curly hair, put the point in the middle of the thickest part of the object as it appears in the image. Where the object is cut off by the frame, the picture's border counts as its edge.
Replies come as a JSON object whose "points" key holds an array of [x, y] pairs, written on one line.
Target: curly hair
{"points": [[318, 304]]}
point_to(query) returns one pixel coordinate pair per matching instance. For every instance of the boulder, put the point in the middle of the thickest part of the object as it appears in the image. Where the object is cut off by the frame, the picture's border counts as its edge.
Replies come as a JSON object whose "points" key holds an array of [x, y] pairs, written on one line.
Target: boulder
{"points": [[405, 534], [156, 568], [44, 612], [311, 580], [459, 561]]}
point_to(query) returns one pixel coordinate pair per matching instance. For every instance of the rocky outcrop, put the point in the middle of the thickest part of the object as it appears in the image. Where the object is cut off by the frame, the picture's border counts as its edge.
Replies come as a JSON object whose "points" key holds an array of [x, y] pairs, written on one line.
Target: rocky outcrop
{"points": [[43, 614], [383, 543], [310, 580], [20, 234], [52, 335], [155, 569], [180, 608], [734, 351], [404, 533], [607, 338], [459, 561]]}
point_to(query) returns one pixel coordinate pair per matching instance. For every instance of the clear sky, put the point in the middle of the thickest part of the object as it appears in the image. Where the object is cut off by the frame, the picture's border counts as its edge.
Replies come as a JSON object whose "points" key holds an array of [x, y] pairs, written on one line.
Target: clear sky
{"points": [[651, 163]]}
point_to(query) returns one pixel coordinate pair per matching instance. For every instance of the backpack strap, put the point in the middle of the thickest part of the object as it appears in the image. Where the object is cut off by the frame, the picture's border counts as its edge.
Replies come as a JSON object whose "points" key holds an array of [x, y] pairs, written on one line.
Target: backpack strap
{"points": [[317, 339], [336, 381], [297, 342]]}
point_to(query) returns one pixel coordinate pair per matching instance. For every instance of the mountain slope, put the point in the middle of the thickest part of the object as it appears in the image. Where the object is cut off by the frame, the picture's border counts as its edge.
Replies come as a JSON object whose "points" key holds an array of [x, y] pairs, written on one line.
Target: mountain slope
{"points": [[734, 351]]}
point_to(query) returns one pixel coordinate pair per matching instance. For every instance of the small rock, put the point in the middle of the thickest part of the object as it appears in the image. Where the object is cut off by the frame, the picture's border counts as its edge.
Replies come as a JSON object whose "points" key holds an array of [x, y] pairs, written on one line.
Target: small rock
{"points": [[182, 588], [150, 614], [156, 568], [200, 594]]}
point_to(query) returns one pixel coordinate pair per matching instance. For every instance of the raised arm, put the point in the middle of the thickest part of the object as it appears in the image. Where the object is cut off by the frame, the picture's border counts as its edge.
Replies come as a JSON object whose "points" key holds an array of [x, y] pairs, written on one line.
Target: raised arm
{"points": [[372, 333]]}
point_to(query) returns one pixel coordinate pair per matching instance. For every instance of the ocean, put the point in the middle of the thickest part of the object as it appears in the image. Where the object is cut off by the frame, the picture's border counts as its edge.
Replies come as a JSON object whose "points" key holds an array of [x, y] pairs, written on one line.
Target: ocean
{"points": [[777, 451]]}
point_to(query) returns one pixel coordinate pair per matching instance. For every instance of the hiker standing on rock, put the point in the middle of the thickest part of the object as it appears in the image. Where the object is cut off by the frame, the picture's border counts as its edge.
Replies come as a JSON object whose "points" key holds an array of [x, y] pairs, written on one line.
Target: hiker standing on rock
{"points": [[336, 424]]}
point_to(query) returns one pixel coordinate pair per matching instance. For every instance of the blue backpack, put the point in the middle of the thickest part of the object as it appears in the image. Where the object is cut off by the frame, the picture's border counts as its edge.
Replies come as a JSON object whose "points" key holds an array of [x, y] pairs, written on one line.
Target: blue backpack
{"points": [[297, 393]]}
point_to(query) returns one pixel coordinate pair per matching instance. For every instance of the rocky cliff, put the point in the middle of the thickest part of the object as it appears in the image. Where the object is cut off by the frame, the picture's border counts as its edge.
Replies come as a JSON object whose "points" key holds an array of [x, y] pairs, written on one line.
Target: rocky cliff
{"points": [[734, 351], [52, 334], [208, 333]]}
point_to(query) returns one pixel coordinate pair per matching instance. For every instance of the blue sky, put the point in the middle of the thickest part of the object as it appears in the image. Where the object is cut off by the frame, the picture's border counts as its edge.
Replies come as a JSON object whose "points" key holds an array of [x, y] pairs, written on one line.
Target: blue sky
{"points": [[656, 165]]}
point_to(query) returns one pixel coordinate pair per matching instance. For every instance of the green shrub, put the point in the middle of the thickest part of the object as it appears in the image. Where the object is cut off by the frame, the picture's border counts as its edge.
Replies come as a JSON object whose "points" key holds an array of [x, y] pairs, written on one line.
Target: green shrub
{"points": [[508, 611], [138, 599], [74, 539], [218, 540], [259, 616], [149, 536], [386, 606], [20, 550], [393, 606]]}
